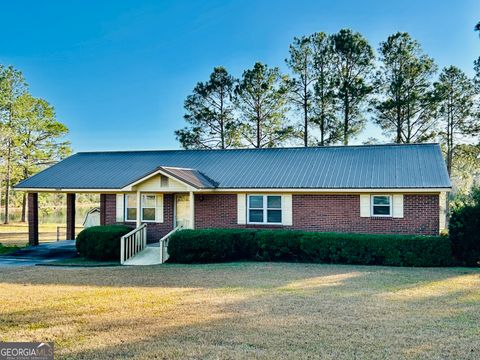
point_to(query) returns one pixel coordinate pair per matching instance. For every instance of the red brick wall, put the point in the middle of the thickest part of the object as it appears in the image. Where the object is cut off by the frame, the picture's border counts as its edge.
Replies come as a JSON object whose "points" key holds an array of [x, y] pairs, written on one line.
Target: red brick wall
{"points": [[32, 219], [216, 211], [110, 209], [340, 213], [155, 231], [315, 212]]}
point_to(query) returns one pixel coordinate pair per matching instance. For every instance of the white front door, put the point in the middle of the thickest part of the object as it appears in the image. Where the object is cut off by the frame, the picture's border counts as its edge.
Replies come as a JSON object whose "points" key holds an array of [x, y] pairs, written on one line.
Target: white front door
{"points": [[182, 210]]}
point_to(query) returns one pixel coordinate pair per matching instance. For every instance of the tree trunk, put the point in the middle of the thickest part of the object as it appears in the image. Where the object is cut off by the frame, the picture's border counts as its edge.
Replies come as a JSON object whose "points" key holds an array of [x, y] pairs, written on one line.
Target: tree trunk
{"points": [[7, 183], [1, 195], [258, 130], [222, 123], [322, 130], [398, 140], [305, 114], [345, 121]]}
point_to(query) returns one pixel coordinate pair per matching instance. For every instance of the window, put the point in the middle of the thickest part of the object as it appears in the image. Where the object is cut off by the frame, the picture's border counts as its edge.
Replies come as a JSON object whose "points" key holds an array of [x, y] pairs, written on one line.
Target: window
{"points": [[264, 209], [130, 207], [381, 205], [150, 206]]}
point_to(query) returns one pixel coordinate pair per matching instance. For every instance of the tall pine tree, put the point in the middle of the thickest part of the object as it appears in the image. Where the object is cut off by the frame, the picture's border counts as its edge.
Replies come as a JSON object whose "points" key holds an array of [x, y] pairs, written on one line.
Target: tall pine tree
{"points": [[210, 114], [455, 93], [352, 57], [324, 102], [301, 63], [405, 106], [262, 103]]}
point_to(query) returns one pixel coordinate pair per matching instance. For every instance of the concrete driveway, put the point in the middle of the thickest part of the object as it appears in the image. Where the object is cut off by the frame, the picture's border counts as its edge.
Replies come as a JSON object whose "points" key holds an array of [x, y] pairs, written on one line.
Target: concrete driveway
{"points": [[41, 254]]}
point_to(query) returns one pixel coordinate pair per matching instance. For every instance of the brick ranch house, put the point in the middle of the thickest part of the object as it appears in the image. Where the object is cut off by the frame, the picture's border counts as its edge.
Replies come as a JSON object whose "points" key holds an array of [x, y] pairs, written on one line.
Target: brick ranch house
{"points": [[388, 189]]}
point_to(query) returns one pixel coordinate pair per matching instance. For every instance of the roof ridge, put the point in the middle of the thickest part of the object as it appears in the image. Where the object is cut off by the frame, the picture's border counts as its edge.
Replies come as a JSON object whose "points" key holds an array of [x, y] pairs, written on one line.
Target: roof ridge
{"points": [[258, 149]]}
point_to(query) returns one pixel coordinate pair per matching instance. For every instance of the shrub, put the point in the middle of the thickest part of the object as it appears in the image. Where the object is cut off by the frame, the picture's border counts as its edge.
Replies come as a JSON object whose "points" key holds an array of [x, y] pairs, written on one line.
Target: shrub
{"points": [[211, 245], [101, 242], [464, 231], [216, 245]]}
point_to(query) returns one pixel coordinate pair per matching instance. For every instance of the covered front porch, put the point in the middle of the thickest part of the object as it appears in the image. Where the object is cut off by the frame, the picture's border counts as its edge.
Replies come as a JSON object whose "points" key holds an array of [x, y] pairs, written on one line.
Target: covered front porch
{"points": [[153, 205], [153, 216]]}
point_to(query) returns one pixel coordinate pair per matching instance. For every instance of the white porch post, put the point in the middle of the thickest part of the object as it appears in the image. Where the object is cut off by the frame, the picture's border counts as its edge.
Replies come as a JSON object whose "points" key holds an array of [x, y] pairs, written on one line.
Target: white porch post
{"points": [[192, 210], [139, 209]]}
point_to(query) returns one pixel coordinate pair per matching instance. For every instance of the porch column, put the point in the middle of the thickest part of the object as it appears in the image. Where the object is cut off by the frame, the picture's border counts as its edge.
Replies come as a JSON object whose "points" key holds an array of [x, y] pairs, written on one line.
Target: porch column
{"points": [[70, 217], [103, 209], [192, 210], [139, 209], [32, 219]]}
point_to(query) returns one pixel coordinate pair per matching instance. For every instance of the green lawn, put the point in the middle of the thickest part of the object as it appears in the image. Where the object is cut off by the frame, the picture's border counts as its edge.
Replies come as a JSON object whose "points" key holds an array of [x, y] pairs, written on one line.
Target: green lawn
{"points": [[245, 310], [5, 250]]}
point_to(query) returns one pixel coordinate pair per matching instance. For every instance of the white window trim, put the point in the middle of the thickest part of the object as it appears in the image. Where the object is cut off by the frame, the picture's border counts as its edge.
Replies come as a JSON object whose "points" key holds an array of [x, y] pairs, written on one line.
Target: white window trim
{"points": [[149, 207], [125, 201], [390, 206], [265, 210]]}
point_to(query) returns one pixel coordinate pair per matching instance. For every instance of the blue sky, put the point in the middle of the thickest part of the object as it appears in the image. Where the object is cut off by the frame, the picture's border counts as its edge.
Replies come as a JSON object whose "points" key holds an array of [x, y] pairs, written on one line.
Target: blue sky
{"points": [[118, 72]]}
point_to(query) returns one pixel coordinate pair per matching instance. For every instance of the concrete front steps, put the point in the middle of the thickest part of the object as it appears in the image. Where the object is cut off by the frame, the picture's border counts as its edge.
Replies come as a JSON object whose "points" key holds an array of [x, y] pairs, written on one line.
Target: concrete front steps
{"points": [[148, 256]]}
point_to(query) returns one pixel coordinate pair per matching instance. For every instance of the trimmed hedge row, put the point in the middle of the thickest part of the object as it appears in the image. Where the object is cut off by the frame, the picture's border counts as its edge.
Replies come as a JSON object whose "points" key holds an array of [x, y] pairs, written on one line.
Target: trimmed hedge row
{"points": [[217, 245], [101, 242]]}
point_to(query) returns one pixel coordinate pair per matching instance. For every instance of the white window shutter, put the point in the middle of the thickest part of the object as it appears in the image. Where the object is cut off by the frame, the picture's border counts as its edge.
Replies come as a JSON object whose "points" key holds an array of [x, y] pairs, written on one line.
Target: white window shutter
{"points": [[120, 208], [397, 206], [364, 205], [443, 211], [287, 210], [241, 208], [159, 208]]}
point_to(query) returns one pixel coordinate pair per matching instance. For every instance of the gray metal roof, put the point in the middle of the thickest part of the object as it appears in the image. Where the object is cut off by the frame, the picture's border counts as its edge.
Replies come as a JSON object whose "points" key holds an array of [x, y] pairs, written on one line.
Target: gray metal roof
{"points": [[334, 167], [190, 176]]}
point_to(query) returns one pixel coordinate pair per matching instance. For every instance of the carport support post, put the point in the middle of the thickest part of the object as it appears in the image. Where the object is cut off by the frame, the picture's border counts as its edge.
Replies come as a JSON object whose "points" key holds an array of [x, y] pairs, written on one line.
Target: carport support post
{"points": [[70, 216], [191, 199], [32, 219], [103, 209]]}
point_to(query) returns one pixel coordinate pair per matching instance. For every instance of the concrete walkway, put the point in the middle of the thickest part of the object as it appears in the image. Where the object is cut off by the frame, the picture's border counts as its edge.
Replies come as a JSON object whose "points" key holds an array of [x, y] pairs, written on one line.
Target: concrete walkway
{"points": [[148, 256], [41, 254]]}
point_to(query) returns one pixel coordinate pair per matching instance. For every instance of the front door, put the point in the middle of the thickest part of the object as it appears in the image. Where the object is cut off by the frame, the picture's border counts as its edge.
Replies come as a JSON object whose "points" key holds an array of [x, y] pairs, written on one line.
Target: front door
{"points": [[182, 210]]}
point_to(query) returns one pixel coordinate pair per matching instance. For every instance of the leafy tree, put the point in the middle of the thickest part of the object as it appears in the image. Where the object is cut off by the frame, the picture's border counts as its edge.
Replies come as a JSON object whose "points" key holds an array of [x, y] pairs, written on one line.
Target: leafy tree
{"points": [[39, 137], [301, 62], [12, 87], [262, 102], [210, 114], [352, 58], [324, 90], [465, 167], [455, 93], [405, 105]]}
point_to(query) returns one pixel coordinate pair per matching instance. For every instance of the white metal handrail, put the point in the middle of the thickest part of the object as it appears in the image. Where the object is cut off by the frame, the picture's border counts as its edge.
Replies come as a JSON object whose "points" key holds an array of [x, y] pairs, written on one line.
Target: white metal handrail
{"points": [[164, 255], [132, 243]]}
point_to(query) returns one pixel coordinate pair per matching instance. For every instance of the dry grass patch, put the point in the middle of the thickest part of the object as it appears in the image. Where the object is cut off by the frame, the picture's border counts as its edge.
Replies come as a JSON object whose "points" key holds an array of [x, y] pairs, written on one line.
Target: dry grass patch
{"points": [[17, 233], [245, 310]]}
